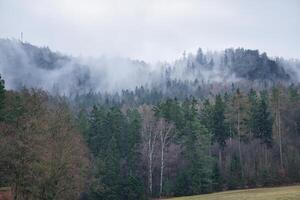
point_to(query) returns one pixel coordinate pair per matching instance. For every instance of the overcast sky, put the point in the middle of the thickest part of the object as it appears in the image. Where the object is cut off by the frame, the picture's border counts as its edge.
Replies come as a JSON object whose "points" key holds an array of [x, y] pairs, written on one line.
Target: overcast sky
{"points": [[154, 30]]}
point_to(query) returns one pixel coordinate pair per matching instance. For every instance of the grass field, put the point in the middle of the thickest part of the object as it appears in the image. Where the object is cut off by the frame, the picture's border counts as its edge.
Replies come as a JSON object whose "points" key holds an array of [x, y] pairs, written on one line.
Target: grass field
{"points": [[276, 193]]}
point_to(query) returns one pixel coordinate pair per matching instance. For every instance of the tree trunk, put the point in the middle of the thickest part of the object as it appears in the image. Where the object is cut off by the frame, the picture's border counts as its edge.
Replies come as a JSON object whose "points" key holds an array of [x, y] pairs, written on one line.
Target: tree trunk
{"points": [[150, 175], [266, 156], [220, 158], [239, 134], [150, 146], [280, 140], [161, 169]]}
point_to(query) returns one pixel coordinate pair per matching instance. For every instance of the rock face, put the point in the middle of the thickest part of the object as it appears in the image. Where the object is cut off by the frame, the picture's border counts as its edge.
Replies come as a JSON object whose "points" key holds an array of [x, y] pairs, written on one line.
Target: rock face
{"points": [[6, 193], [251, 65]]}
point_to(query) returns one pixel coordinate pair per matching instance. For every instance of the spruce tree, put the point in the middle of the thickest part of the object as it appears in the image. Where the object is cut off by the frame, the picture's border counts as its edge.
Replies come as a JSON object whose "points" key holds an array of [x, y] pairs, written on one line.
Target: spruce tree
{"points": [[220, 131], [251, 116], [196, 177], [263, 122]]}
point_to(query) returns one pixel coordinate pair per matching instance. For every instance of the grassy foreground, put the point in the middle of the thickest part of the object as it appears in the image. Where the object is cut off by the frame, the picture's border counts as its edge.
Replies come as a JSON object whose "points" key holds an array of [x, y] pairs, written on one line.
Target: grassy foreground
{"points": [[276, 193]]}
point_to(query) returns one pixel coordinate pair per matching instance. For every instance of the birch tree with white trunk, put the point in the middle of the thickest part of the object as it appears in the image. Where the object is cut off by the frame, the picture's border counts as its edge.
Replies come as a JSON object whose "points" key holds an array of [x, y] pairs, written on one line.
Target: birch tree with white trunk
{"points": [[166, 132], [150, 135]]}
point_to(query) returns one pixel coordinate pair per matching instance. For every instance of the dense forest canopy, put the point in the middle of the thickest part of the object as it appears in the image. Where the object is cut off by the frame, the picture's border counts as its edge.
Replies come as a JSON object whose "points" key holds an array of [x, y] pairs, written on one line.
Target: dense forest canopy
{"points": [[114, 128]]}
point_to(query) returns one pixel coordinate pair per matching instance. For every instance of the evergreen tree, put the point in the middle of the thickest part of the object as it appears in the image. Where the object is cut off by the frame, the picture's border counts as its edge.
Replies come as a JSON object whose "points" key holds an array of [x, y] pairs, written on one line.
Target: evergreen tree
{"points": [[97, 134], [235, 172], [277, 99], [251, 118], [263, 122], [196, 140], [83, 123], [220, 131], [115, 140], [171, 111], [293, 94], [217, 179]]}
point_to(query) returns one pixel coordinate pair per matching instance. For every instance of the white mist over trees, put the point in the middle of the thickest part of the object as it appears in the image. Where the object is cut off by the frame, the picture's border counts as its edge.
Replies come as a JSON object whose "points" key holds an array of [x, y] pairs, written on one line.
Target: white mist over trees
{"points": [[23, 64]]}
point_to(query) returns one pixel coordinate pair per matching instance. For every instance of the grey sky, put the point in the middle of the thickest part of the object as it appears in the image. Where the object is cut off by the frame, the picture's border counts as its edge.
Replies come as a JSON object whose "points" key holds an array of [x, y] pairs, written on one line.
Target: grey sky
{"points": [[154, 29]]}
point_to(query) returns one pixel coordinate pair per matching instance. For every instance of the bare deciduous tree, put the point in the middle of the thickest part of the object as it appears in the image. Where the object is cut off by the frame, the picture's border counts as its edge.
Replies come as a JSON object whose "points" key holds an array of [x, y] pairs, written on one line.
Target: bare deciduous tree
{"points": [[149, 135], [165, 134]]}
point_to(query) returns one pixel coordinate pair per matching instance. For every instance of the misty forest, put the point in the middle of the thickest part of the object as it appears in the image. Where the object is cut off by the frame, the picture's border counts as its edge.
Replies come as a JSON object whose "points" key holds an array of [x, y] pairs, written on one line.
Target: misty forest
{"points": [[112, 128]]}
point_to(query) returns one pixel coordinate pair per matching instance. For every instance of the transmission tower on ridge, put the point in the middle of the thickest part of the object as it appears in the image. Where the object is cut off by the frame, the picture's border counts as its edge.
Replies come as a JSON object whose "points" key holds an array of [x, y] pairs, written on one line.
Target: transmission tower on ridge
{"points": [[21, 36]]}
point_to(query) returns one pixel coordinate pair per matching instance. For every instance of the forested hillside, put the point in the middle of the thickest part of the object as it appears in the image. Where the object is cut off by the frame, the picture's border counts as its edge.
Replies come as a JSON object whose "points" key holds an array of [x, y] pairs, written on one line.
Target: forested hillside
{"points": [[207, 122], [23, 64]]}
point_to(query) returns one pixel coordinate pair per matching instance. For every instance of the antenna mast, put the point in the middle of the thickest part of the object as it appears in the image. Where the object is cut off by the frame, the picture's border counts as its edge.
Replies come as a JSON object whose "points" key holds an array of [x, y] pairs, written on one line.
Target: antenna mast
{"points": [[21, 36]]}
